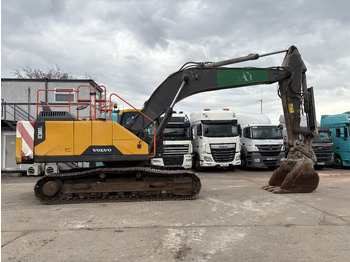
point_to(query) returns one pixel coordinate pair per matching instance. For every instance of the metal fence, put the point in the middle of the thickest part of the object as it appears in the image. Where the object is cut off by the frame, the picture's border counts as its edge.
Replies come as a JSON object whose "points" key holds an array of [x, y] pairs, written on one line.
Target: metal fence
{"points": [[17, 111]]}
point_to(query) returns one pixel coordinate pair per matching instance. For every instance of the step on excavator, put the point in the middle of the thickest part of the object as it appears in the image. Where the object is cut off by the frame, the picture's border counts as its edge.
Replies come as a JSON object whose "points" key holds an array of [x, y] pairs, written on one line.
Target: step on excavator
{"points": [[128, 151]]}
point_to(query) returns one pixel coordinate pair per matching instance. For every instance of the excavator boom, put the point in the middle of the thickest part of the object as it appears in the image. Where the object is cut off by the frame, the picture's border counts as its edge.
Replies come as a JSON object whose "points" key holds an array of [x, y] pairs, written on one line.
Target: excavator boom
{"points": [[188, 82]]}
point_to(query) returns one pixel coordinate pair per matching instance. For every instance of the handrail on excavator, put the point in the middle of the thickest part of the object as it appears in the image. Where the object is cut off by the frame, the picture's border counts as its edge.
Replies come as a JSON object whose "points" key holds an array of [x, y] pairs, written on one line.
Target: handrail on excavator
{"points": [[100, 100], [70, 91], [83, 100], [154, 124]]}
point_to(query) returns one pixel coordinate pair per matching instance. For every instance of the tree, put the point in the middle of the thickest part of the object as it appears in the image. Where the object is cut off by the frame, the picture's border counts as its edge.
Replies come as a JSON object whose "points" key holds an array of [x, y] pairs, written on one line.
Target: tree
{"points": [[50, 73]]}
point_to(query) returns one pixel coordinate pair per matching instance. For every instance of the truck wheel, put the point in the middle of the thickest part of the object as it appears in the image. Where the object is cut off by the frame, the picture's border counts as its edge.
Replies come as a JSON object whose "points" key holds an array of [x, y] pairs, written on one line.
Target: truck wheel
{"points": [[232, 168], [337, 162], [197, 165], [244, 163]]}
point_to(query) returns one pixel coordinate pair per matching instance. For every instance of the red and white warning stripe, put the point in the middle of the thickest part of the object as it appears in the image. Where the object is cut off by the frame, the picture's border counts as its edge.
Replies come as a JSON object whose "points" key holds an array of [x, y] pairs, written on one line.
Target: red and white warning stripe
{"points": [[25, 130]]}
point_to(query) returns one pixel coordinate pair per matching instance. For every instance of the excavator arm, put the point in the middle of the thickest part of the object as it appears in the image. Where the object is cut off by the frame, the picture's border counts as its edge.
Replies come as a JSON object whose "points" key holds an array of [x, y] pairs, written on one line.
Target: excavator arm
{"points": [[188, 82], [296, 174]]}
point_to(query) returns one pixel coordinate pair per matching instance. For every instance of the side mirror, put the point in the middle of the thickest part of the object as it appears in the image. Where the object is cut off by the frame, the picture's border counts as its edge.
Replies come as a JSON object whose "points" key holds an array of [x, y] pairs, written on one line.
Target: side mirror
{"points": [[345, 133], [342, 132], [199, 130]]}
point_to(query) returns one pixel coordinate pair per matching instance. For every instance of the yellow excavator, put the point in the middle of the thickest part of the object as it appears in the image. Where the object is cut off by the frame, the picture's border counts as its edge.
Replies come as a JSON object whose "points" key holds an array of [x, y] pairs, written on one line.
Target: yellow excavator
{"points": [[127, 152]]}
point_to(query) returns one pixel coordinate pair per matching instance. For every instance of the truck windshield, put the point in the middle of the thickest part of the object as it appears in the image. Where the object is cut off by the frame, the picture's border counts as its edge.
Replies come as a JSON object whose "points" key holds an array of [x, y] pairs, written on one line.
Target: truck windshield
{"points": [[220, 130], [322, 136], [267, 132], [177, 133]]}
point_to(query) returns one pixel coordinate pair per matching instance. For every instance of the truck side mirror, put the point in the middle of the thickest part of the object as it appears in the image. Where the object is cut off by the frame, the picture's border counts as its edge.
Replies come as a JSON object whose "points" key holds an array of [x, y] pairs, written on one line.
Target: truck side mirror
{"points": [[246, 132], [239, 130], [337, 131], [345, 132], [342, 132], [199, 130]]}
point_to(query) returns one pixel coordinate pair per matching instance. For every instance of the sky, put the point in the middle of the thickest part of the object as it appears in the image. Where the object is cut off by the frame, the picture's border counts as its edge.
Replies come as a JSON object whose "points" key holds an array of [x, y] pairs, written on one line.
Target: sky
{"points": [[132, 46]]}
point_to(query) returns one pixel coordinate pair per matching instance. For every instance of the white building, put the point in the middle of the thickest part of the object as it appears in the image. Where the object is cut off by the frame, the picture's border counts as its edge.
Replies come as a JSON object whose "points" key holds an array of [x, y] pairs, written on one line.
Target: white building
{"points": [[19, 99]]}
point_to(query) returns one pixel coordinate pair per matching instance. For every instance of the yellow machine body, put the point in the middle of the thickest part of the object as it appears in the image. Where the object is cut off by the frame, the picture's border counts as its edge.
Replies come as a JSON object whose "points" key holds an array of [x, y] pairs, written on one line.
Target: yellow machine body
{"points": [[96, 140]]}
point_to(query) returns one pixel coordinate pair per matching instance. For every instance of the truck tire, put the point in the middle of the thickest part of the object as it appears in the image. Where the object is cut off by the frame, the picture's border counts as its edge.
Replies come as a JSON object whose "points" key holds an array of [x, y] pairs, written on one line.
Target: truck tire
{"points": [[197, 165], [337, 162], [244, 163]]}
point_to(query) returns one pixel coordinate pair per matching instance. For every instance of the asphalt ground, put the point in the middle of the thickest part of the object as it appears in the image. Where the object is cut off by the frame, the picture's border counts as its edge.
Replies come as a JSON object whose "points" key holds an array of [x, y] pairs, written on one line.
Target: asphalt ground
{"points": [[232, 219]]}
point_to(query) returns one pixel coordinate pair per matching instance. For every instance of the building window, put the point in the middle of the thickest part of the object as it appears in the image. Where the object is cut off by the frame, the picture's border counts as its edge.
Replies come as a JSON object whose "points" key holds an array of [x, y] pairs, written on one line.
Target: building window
{"points": [[62, 96]]}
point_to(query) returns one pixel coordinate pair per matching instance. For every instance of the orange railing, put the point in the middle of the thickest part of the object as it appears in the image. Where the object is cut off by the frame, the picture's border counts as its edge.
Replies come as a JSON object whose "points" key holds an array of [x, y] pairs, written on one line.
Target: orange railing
{"points": [[91, 101], [83, 101], [100, 102], [70, 91]]}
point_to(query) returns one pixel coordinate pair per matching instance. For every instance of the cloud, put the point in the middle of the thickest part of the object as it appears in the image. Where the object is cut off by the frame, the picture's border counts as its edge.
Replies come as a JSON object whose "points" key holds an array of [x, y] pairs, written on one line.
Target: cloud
{"points": [[132, 46]]}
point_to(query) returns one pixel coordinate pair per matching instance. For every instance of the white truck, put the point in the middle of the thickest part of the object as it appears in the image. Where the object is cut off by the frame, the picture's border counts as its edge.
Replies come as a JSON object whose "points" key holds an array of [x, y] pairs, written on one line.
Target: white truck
{"points": [[215, 139], [261, 141], [177, 141]]}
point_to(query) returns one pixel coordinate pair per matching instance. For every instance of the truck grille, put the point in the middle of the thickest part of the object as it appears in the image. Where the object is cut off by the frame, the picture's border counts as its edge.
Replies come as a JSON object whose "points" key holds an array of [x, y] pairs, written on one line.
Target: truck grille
{"points": [[176, 149], [271, 162], [323, 153], [222, 155], [223, 152], [269, 150], [173, 160]]}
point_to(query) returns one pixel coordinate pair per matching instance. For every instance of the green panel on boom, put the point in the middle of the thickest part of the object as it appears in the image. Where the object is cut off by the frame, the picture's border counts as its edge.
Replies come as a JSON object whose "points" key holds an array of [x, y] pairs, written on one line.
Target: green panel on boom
{"points": [[241, 76]]}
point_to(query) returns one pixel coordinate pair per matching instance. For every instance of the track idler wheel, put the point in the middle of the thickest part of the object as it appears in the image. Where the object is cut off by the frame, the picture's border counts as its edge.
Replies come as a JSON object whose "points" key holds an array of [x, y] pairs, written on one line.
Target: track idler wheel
{"points": [[294, 176], [51, 188]]}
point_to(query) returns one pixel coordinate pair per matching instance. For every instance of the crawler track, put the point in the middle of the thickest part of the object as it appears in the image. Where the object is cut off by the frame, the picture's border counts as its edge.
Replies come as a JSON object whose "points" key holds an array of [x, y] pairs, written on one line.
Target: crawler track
{"points": [[118, 184]]}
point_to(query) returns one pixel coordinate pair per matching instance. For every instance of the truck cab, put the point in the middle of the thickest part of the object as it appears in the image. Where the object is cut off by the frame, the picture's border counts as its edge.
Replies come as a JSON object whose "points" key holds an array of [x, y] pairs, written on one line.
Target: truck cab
{"points": [[322, 143], [262, 142], [323, 148], [215, 139], [339, 126], [177, 141]]}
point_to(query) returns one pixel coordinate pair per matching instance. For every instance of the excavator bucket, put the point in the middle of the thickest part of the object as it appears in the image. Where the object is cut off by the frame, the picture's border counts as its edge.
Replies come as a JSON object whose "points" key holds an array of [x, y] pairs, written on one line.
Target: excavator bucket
{"points": [[296, 174]]}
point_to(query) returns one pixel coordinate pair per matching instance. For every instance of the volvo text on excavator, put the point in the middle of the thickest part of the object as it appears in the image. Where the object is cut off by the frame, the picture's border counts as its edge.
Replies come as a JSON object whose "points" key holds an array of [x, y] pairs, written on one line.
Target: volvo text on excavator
{"points": [[127, 175]]}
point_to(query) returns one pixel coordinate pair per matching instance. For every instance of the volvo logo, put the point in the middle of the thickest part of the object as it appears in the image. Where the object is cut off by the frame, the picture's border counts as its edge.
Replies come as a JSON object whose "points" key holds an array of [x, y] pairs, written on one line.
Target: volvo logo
{"points": [[269, 147], [102, 150]]}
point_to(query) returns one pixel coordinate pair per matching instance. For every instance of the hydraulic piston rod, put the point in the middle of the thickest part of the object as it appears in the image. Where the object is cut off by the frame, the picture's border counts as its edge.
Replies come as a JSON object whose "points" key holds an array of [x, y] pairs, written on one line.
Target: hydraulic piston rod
{"points": [[240, 59]]}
